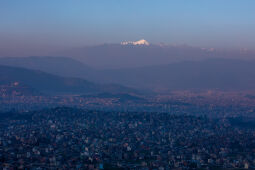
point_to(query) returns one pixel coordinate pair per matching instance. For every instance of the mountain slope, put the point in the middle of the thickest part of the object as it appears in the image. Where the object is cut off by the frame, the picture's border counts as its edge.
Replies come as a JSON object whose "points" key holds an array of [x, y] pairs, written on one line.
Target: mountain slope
{"points": [[62, 66], [51, 84], [17, 89]]}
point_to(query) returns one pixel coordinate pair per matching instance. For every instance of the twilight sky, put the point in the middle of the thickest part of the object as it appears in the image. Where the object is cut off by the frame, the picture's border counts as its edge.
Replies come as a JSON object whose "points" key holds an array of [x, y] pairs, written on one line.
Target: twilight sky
{"points": [[52, 24]]}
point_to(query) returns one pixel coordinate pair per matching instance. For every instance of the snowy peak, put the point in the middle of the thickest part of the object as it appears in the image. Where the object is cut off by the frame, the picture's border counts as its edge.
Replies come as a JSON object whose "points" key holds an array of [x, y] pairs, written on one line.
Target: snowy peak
{"points": [[140, 42]]}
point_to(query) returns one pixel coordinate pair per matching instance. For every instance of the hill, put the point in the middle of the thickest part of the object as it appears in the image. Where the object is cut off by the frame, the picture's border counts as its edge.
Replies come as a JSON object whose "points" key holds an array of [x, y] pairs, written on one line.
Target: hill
{"points": [[52, 84]]}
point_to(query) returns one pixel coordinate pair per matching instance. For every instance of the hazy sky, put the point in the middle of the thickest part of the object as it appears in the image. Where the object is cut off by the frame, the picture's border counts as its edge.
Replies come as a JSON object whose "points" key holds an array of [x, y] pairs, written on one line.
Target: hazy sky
{"points": [[45, 24]]}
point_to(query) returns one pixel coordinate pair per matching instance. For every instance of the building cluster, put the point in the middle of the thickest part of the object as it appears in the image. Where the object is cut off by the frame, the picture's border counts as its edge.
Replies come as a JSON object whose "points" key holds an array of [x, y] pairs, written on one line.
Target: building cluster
{"points": [[68, 138], [195, 105]]}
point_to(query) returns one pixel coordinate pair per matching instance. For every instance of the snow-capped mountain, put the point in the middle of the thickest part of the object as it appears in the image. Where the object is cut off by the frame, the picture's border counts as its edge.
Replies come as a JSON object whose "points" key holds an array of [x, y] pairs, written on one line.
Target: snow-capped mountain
{"points": [[140, 42], [141, 53]]}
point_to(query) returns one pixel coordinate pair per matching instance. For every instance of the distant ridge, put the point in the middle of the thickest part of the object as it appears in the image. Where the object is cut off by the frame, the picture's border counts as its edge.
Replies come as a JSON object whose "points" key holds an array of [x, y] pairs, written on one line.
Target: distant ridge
{"points": [[222, 74], [62, 66]]}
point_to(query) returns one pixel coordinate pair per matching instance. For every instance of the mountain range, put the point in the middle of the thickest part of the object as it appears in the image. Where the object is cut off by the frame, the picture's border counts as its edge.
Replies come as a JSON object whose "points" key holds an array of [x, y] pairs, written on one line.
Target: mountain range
{"points": [[217, 73], [142, 53]]}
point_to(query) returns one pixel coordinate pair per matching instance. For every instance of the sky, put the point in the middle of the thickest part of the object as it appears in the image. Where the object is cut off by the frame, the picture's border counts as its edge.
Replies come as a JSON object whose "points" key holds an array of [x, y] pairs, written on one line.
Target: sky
{"points": [[55, 24]]}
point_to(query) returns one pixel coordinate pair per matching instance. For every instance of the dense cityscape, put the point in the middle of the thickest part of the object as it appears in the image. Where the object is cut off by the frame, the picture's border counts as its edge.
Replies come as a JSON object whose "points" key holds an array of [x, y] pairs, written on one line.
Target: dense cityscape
{"points": [[70, 138]]}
